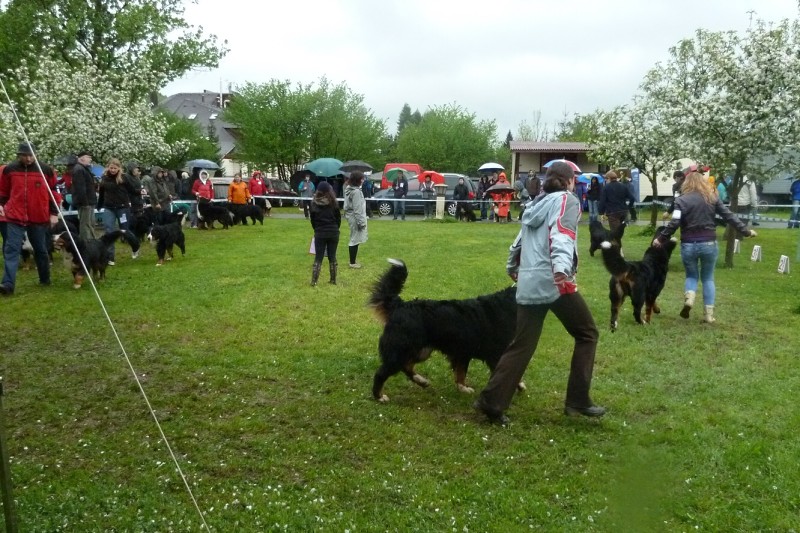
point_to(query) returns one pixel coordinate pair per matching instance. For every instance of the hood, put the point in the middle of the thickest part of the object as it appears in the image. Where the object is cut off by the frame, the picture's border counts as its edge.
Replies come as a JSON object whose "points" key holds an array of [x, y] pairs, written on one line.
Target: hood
{"points": [[322, 199], [349, 190], [130, 166], [536, 213], [204, 176]]}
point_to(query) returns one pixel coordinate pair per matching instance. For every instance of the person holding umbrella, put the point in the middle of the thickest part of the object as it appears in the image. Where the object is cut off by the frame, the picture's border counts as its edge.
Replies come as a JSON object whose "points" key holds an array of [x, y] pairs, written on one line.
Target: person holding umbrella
{"points": [[306, 189], [400, 188], [355, 211]]}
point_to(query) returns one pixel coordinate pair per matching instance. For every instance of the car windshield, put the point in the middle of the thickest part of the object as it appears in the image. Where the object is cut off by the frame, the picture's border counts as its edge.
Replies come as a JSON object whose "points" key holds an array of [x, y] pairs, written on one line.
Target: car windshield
{"points": [[279, 185]]}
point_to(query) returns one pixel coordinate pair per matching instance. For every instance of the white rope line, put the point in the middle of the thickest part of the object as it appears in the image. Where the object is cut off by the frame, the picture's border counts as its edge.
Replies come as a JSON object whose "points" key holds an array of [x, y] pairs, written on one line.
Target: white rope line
{"points": [[108, 317]]}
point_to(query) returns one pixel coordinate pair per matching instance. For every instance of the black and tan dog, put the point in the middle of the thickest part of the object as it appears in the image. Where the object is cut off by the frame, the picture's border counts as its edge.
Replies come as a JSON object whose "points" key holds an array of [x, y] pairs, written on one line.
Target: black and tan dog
{"points": [[94, 252], [463, 330], [598, 234], [211, 212], [641, 280], [166, 237]]}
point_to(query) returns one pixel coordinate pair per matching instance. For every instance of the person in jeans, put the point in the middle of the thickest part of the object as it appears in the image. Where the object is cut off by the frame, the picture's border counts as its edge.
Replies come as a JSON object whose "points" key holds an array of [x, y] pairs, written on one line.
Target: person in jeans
{"points": [[694, 213], [593, 198], [400, 188], [794, 193], [429, 196], [28, 208], [306, 189], [326, 220], [543, 261], [114, 198]]}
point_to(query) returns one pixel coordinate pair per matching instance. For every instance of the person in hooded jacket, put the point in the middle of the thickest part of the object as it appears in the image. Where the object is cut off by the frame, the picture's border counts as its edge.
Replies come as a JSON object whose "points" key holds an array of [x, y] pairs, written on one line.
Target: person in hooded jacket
{"points": [[28, 208], [158, 191], [355, 211], [133, 184], [326, 220], [543, 260], [203, 191], [84, 194]]}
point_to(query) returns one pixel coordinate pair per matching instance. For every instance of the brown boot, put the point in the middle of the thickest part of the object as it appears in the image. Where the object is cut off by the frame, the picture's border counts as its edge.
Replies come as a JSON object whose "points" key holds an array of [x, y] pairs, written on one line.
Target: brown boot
{"points": [[315, 270], [334, 267]]}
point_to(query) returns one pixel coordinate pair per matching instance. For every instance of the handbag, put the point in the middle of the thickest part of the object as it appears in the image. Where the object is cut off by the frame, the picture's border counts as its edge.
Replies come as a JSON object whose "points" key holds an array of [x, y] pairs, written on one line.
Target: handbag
{"points": [[312, 250]]}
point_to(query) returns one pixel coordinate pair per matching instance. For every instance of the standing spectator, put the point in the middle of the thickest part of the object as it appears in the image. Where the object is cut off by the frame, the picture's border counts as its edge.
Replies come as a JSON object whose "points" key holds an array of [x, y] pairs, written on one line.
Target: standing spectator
{"points": [[203, 190], [84, 194], [722, 190], [259, 188], [483, 184], [694, 213], [492, 181], [367, 189], [543, 260], [632, 208], [28, 208], [521, 190], [460, 196], [158, 191], [325, 219], [615, 201], [747, 199], [677, 181], [593, 198], [429, 197], [794, 195], [133, 183], [502, 201], [238, 198], [400, 188], [114, 200], [355, 211], [307, 190], [173, 184]]}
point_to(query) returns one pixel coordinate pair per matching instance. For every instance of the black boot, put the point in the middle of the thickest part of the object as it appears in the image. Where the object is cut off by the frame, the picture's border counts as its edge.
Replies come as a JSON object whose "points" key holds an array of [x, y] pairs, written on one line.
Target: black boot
{"points": [[333, 272], [315, 270]]}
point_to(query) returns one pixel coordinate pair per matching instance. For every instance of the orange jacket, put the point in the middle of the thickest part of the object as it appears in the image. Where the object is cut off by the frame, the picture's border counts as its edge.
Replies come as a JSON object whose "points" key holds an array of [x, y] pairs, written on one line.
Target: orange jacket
{"points": [[238, 193]]}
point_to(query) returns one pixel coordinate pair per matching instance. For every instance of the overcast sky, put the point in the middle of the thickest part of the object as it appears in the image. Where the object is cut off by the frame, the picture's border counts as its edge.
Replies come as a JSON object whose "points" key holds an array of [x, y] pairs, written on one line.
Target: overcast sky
{"points": [[500, 59]]}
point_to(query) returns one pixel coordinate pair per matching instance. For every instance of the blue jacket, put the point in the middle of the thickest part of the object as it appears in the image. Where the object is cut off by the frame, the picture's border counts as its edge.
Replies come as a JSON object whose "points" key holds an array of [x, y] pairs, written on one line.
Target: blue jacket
{"points": [[794, 190], [546, 245]]}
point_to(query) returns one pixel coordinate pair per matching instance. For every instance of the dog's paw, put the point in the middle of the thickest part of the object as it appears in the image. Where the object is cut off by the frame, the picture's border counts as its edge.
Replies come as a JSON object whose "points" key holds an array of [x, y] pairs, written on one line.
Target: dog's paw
{"points": [[614, 326], [465, 389], [521, 386], [421, 381], [605, 245], [76, 286], [383, 399]]}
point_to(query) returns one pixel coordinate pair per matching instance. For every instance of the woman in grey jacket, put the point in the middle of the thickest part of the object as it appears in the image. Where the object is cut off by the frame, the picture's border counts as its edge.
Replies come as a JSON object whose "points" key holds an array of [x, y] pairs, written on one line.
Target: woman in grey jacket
{"points": [[543, 261]]}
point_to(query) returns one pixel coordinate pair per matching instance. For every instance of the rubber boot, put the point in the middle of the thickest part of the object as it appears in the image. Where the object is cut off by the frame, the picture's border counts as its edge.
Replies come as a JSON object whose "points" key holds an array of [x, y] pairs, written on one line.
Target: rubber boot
{"points": [[688, 303], [315, 270], [708, 315], [333, 266]]}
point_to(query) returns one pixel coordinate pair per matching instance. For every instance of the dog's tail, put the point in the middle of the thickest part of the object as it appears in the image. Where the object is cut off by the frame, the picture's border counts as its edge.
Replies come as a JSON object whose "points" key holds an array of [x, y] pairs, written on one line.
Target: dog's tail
{"points": [[125, 235], [385, 295], [612, 258]]}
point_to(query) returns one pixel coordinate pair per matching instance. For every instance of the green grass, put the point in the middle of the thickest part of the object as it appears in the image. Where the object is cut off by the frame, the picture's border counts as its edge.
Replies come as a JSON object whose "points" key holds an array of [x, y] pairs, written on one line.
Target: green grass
{"points": [[262, 385]]}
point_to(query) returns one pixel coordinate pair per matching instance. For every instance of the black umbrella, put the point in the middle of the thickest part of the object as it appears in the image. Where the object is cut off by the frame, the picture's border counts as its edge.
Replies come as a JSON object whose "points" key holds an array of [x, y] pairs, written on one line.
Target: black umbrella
{"points": [[502, 186], [352, 166]]}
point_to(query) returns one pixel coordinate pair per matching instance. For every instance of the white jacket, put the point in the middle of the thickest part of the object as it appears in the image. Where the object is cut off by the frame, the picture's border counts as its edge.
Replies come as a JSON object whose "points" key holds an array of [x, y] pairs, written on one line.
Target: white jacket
{"points": [[748, 195]]}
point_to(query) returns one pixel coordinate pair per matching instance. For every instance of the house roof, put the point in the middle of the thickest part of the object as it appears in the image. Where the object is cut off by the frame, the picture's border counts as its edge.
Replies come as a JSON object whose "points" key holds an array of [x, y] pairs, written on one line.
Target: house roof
{"points": [[535, 146], [200, 108]]}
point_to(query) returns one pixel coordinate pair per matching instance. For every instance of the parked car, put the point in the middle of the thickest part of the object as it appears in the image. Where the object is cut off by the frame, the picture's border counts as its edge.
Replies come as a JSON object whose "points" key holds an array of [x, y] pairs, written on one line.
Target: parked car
{"points": [[383, 200], [278, 187]]}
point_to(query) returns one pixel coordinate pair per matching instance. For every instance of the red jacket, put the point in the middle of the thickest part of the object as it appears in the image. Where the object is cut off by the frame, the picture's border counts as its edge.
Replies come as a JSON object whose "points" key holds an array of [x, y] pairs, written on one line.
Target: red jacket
{"points": [[24, 194], [257, 187], [201, 190]]}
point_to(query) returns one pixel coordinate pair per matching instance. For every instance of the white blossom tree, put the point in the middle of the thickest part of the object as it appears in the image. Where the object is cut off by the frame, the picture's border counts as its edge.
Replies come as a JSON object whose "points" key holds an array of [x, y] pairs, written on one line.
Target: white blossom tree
{"points": [[69, 109], [8, 134], [729, 98], [634, 136]]}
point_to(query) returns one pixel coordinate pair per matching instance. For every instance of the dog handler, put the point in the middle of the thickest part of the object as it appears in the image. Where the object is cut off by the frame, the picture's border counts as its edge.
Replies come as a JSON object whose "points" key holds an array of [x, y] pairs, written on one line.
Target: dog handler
{"points": [[543, 261]]}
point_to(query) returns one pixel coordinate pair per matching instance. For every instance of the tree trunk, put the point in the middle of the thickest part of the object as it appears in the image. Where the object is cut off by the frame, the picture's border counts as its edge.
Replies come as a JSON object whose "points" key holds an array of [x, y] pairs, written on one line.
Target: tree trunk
{"points": [[730, 233]]}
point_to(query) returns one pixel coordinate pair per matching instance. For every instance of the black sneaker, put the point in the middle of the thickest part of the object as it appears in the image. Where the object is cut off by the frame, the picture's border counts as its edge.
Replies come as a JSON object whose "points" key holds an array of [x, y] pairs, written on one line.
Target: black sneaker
{"points": [[5, 290], [495, 417], [593, 411]]}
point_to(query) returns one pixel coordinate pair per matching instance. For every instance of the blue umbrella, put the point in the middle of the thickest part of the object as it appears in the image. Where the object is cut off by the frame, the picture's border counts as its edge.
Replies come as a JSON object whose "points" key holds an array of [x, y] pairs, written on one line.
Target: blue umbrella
{"points": [[202, 163], [97, 170], [324, 167]]}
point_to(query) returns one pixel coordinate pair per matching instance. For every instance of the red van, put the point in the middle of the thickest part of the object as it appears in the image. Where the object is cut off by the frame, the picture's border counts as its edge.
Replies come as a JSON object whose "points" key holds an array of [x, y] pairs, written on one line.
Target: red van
{"points": [[411, 167]]}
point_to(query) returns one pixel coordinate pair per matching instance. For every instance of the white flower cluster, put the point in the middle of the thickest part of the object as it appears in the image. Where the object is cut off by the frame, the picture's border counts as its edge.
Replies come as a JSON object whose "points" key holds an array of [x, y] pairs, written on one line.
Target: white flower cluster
{"points": [[8, 134], [66, 110]]}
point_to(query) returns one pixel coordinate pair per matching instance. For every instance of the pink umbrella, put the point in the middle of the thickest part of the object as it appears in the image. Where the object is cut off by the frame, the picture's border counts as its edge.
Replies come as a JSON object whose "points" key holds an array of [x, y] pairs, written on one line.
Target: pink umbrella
{"points": [[575, 168]]}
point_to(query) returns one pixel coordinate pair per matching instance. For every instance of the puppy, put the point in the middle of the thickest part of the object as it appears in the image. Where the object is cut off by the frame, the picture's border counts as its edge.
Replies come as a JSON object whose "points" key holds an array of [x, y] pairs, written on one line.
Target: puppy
{"points": [[598, 233], [477, 328], [211, 212], [166, 237], [94, 252], [641, 280]]}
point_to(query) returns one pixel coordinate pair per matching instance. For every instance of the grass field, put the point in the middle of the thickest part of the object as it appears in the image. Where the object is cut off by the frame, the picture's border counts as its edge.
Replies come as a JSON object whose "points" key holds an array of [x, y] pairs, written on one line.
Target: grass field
{"points": [[262, 385]]}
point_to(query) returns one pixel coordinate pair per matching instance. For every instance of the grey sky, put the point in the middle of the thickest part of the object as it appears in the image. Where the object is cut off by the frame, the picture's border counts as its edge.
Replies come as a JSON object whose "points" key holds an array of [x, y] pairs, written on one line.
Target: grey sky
{"points": [[501, 59]]}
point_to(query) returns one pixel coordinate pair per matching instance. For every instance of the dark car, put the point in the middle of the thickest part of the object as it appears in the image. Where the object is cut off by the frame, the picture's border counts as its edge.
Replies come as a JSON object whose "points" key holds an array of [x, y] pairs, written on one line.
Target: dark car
{"points": [[383, 200], [277, 187]]}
